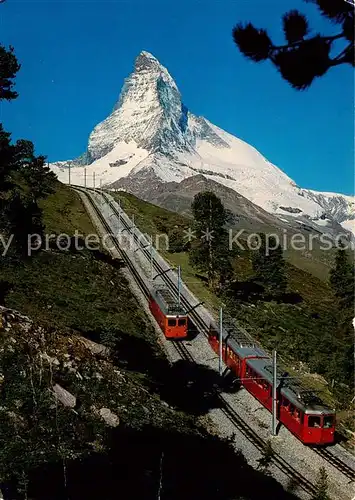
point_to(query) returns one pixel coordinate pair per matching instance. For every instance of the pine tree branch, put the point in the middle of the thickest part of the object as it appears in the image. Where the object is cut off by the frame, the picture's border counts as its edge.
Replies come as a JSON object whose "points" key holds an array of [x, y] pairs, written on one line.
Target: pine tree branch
{"points": [[296, 44], [342, 57]]}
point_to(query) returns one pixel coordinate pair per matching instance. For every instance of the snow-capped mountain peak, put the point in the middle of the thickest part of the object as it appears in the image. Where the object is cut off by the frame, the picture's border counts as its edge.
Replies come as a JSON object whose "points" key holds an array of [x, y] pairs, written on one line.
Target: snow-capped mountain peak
{"points": [[146, 62], [149, 112], [151, 133]]}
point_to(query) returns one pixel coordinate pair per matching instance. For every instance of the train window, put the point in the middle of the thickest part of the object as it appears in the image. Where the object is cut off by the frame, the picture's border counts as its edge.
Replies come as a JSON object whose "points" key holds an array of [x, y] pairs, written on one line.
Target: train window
{"points": [[328, 422], [182, 322], [297, 414], [213, 333], [171, 322], [313, 421], [284, 402], [291, 408]]}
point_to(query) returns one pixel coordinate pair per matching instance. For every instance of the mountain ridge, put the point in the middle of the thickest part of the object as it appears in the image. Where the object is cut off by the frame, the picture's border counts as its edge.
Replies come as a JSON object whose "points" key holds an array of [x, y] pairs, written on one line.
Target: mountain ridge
{"points": [[151, 129]]}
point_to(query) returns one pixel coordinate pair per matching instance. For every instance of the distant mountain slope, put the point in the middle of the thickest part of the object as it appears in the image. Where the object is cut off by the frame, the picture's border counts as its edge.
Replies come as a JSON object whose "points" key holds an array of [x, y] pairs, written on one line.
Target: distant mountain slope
{"points": [[151, 133], [178, 197], [246, 216]]}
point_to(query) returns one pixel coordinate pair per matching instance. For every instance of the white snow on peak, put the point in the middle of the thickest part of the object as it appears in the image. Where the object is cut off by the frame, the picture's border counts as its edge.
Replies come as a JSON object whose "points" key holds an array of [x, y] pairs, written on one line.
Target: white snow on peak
{"points": [[148, 55], [349, 225], [151, 128]]}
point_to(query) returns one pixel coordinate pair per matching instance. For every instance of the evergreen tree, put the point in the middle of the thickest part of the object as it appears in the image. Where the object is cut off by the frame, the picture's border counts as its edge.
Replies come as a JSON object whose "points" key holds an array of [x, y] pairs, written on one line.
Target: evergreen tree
{"points": [[24, 177], [342, 278], [176, 240], [34, 170], [269, 265], [9, 66], [304, 57], [25, 181], [210, 251], [341, 361], [7, 160], [321, 486]]}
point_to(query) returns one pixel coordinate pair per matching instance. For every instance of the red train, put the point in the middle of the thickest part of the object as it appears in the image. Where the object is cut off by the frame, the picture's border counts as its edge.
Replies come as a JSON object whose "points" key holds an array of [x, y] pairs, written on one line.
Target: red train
{"points": [[169, 314], [300, 411]]}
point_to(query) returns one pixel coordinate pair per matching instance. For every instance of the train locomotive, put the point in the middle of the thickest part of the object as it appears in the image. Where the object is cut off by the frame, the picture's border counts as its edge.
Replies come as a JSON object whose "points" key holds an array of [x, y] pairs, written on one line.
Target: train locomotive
{"points": [[169, 314], [300, 411]]}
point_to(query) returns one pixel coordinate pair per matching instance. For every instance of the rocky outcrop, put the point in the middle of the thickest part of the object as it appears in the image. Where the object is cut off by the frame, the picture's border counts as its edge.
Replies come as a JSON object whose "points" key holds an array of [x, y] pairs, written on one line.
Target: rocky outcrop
{"points": [[109, 417], [60, 394], [65, 397]]}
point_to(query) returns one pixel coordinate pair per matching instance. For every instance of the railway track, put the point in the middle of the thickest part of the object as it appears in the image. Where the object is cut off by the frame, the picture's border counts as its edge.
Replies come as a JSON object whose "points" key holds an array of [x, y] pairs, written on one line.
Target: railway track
{"points": [[249, 433], [225, 407], [203, 327], [137, 277], [336, 462]]}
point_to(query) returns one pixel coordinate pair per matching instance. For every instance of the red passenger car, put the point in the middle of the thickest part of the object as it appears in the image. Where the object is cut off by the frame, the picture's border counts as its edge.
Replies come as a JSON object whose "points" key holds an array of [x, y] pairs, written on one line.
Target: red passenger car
{"points": [[299, 410], [168, 313]]}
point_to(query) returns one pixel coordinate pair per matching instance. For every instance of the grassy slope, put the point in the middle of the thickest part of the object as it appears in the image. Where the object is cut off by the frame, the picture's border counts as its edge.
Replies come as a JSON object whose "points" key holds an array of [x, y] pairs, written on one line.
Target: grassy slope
{"points": [[74, 290], [64, 213], [149, 218], [313, 259], [285, 326]]}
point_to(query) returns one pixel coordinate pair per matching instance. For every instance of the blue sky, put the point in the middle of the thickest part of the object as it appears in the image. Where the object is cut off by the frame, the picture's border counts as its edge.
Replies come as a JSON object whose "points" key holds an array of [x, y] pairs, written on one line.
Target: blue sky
{"points": [[76, 54]]}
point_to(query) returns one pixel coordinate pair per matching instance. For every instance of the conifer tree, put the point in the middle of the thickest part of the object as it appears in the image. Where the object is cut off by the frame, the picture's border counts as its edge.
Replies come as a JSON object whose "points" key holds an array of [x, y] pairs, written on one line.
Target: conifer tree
{"points": [[9, 66], [269, 265], [176, 240], [305, 56], [321, 486], [24, 178], [342, 278], [210, 251]]}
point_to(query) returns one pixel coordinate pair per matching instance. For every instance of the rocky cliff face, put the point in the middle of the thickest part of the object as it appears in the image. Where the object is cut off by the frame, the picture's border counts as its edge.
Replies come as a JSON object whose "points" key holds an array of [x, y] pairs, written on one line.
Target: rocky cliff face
{"points": [[151, 133]]}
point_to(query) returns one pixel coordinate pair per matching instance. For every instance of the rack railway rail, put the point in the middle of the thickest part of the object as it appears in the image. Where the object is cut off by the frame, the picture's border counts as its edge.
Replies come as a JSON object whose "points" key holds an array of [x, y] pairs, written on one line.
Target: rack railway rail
{"points": [[250, 434], [336, 462], [226, 408]]}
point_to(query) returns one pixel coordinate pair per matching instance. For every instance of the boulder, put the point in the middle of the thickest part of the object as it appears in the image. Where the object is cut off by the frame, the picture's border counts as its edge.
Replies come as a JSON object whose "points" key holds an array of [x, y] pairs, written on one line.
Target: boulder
{"points": [[109, 417], [65, 397]]}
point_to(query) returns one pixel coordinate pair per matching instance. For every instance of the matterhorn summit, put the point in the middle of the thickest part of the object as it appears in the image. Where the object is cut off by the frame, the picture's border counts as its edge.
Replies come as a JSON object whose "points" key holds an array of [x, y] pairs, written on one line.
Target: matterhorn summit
{"points": [[151, 138], [149, 113]]}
